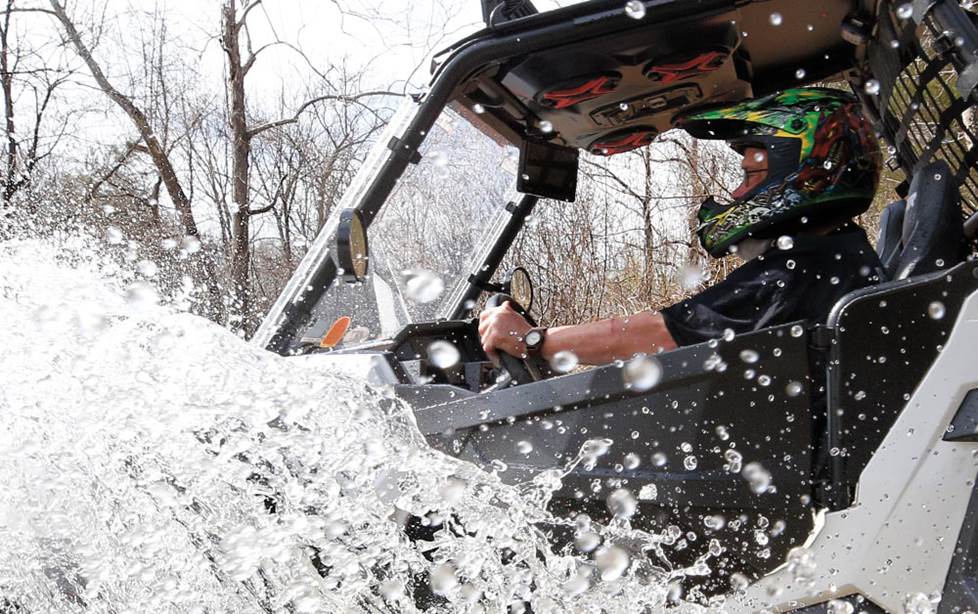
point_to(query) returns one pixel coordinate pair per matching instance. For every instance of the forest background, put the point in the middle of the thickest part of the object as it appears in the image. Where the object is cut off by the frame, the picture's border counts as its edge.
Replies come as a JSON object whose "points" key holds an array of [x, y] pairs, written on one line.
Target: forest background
{"points": [[205, 144]]}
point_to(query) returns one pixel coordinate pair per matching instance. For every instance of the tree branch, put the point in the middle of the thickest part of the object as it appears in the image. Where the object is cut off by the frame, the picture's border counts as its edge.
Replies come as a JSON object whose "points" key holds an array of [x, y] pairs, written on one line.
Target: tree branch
{"points": [[256, 130], [245, 11]]}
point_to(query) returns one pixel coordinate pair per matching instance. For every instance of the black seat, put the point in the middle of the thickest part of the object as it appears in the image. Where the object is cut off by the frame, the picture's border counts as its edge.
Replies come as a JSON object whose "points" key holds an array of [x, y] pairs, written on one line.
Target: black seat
{"points": [[889, 243], [932, 232]]}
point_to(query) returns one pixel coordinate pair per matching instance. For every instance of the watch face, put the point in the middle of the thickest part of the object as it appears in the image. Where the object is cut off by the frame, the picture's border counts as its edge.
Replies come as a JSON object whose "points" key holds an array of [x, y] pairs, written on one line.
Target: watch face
{"points": [[533, 337]]}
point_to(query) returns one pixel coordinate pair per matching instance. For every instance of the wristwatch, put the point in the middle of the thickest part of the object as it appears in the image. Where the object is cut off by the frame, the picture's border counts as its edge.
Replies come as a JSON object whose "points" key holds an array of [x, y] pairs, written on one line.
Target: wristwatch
{"points": [[534, 341]]}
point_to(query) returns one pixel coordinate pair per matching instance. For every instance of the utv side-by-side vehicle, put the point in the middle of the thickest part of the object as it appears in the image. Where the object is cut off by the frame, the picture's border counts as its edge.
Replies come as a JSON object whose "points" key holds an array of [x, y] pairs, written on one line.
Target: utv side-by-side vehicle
{"points": [[867, 422]]}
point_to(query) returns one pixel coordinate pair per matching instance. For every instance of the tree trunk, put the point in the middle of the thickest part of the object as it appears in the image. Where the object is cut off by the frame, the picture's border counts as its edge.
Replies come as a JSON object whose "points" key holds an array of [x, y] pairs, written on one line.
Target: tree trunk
{"points": [[7, 80], [240, 150], [156, 152]]}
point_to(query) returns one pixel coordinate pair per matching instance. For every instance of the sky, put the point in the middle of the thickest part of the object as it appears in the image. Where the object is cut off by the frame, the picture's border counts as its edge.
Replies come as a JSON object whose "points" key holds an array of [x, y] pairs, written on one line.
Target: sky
{"points": [[389, 41]]}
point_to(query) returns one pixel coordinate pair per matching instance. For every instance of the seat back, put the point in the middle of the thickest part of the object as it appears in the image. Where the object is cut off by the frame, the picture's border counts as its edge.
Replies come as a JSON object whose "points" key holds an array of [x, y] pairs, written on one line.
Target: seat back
{"points": [[933, 231], [886, 338], [889, 243]]}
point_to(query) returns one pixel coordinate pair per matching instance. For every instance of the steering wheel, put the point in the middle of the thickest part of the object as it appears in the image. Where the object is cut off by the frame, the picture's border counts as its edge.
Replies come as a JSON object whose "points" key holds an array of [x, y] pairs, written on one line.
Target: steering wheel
{"points": [[519, 370]]}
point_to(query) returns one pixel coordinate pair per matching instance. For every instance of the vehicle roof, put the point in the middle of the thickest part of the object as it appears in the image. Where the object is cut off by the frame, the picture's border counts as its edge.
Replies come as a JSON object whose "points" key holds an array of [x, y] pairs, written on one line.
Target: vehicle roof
{"points": [[635, 76]]}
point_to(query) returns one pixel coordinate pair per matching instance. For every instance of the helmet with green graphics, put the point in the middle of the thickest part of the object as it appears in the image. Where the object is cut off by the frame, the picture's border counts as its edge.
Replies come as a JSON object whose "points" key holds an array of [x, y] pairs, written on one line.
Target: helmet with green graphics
{"points": [[823, 164]]}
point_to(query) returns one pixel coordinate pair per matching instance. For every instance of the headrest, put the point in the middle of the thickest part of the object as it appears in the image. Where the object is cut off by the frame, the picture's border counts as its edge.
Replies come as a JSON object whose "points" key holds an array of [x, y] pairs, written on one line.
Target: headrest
{"points": [[933, 231], [889, 244]]}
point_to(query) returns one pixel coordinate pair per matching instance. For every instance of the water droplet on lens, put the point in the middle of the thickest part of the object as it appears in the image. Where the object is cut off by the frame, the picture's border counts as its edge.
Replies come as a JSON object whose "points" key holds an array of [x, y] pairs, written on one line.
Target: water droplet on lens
{"points": [[443, 354], [632, 461], [776, 19], [147, 268], [113, 235], [918, 603], [758, 477], [524, 447], [190, 244], [439, 159], [800, 73], [564, 361], [749, 356], [738, 582], [797, 330], [690, 462], [423, 286], [793, 389], [142, 295], [648, 492], [611, 562], [635, 9], [443, 579], [642, 373], [872, 87], [715, 522], [478, 108], [936, 310], [764, 380], [837, 606], [692, 276], [621, 503], [546, 127], [905, 11], [659, 459], [785, 242]]}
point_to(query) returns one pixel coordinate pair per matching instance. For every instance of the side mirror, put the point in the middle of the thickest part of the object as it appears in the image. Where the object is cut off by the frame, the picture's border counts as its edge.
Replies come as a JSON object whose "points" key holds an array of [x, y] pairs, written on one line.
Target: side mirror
{"points": [[518, 284], [351, 246]]}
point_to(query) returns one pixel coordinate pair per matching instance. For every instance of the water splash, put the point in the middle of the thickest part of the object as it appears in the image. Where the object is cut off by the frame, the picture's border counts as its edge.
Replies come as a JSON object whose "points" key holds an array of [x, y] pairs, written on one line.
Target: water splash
{"points": [[153, 461]]}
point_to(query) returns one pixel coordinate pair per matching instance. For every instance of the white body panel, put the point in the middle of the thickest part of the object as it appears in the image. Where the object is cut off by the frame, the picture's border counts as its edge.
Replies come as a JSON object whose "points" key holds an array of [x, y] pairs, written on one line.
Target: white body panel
{"points": [[899, 536]]}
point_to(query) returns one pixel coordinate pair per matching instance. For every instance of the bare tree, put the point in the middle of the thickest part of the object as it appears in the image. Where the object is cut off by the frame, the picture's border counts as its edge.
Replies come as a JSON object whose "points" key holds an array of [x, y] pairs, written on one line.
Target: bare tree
{"points": [[154, 148], [26, 72]]}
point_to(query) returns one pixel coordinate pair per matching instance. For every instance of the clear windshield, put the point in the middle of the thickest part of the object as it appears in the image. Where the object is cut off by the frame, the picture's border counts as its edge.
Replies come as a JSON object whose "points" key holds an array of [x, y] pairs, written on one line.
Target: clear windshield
{"points": [[432, 233]]}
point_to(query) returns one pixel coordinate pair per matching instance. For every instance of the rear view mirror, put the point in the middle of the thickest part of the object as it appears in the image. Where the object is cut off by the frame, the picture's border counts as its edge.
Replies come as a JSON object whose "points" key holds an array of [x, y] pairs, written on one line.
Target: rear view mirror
{"points": [[351, 246], [548, 171]]}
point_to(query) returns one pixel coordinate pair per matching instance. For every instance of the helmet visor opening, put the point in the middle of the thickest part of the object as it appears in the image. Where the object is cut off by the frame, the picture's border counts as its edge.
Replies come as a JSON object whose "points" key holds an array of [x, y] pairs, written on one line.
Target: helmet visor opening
{"points": [[754, 166]]}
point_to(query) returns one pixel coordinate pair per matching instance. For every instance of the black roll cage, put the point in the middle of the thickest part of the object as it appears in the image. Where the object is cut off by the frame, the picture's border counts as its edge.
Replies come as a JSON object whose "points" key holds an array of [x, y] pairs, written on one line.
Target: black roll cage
{"points": [[520, 36]]}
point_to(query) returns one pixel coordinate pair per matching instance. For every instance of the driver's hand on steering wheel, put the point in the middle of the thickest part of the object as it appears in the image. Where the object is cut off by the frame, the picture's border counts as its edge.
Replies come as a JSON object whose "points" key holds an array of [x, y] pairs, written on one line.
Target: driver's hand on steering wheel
{"points": [[501, 328]]}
